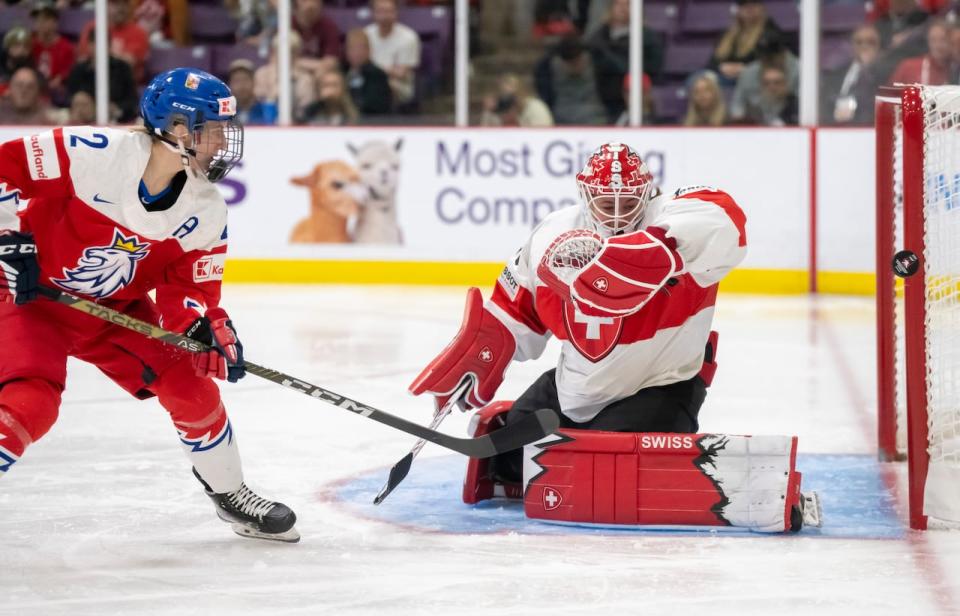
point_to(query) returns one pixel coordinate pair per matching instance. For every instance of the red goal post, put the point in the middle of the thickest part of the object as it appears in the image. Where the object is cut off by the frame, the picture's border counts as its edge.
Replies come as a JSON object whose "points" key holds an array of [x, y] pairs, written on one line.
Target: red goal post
{"points": [[918, 338]]}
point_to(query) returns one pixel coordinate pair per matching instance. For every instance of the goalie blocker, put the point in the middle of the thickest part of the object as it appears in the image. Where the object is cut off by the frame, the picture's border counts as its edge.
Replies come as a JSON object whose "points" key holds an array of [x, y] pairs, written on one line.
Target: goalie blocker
{"points": [[652, 479]]}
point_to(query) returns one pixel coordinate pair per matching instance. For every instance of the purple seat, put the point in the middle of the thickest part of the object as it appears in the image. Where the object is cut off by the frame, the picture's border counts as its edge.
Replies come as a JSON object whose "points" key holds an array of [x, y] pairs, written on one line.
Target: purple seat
{"points": [[785, 14], [430, 22], [163, 59], [223, 55], [842, 17], [348, 18], [683, 59], [706, 18], [72, 22], [669, 103], [211, 24], [662, 17], [11, 16]]}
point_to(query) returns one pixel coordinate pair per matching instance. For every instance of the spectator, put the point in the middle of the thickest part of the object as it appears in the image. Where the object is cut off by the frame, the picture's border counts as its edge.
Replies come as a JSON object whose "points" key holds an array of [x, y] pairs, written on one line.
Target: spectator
{"points": [[166, 21], [250, 111], [266, 78], [777, 104], [124, 100], [257, 21], [16, 54], [552, 19], [566, 83], [318, 33], [738, 46], [395, 48], [128, 41], [648, 113], [705, 104], [83, 109], [368, 83], [846, 94], [933, 68], [610, 48], [771, 52], [896, 26], [513, 105], [333, 107], [23, 104], [52, 54]]}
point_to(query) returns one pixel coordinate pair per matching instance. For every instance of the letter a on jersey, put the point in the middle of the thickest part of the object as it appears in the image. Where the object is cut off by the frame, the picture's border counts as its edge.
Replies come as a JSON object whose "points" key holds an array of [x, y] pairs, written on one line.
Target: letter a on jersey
{"points": [[593, 337]]}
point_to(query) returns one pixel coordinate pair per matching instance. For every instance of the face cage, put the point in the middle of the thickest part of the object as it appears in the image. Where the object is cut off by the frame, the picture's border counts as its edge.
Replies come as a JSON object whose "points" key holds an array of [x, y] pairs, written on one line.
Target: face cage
{"points": [[228, 155], [621, 221]]}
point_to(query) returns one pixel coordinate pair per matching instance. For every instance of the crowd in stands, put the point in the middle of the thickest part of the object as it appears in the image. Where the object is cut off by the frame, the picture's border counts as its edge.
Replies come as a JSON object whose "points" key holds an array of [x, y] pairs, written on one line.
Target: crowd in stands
{"points": [[706, 62]]}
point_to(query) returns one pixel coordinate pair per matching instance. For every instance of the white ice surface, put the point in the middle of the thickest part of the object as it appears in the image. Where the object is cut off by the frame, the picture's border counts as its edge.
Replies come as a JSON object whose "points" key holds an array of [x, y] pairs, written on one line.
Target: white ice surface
{"points": [[103, 517]]}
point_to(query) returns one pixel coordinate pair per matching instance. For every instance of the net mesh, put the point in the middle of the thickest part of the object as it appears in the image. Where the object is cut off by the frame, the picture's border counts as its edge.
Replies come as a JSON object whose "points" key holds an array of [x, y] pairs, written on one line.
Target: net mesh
{"points": [[900, 348], [942, 273]]}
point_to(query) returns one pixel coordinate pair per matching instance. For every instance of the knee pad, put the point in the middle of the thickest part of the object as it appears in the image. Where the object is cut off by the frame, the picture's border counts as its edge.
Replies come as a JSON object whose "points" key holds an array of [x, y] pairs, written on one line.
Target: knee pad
{"points": [[28, 408], [477, 484], [188, 398]]}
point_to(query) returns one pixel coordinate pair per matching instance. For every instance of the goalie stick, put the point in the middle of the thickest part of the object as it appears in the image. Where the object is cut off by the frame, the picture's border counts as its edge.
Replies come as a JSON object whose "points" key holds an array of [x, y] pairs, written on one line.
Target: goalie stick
{"points": [[399, 470], [529, 429]]}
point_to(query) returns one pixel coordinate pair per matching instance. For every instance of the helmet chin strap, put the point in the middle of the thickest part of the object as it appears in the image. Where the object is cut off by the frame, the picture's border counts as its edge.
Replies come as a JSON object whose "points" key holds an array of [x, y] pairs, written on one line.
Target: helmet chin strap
{"points": [[178, 147]]}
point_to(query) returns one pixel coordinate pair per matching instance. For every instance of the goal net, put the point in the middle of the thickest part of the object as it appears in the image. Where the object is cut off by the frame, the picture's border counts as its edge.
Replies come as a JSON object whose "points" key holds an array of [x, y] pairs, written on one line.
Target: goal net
{"points": [[918, 323]]}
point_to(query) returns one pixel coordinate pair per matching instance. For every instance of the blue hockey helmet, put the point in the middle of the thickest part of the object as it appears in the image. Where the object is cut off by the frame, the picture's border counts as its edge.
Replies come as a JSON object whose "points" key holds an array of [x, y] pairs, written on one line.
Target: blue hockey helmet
{"points": [[193, 97]]}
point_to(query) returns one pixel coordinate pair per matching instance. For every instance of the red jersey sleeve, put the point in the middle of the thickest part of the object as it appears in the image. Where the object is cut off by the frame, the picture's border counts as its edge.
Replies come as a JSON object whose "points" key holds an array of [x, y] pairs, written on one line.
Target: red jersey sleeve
{"points": [[33, 166], [191, 286]]}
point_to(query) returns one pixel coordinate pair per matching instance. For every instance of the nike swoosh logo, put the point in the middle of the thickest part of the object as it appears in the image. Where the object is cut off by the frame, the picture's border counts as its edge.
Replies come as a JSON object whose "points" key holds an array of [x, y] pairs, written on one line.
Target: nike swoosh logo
{"points": [[97, 199]]}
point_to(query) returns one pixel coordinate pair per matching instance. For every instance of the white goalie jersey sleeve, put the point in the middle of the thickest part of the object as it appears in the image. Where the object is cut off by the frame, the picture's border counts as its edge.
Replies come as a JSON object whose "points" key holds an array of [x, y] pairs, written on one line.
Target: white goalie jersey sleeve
{"points": [[513, 303], [709, 227]]}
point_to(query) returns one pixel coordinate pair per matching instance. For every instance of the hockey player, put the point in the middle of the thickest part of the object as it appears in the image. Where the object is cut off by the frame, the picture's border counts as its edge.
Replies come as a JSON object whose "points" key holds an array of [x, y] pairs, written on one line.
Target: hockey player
{"points": [[113, 215], [627, 282]]}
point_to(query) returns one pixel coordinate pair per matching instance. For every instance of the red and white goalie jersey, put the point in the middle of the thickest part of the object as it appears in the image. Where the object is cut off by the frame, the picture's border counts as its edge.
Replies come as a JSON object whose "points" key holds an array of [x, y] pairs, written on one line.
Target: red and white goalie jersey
{"points": [[77, 192], [606, 359]]}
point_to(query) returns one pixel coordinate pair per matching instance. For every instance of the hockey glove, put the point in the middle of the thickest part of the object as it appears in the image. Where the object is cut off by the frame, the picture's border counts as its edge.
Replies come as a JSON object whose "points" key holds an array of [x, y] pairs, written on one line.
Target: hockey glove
{"points": [[480, 354], [225, 359], [19, 269]]}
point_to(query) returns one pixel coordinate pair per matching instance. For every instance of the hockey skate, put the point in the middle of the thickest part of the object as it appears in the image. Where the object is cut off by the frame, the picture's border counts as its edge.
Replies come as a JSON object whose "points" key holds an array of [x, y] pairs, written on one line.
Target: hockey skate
{"points": [[252, 516], [809, 512]]}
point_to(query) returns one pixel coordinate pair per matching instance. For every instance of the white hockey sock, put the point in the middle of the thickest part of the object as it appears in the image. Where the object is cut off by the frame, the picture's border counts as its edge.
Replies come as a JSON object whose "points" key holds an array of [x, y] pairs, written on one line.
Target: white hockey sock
{"points": [[212, 448]]}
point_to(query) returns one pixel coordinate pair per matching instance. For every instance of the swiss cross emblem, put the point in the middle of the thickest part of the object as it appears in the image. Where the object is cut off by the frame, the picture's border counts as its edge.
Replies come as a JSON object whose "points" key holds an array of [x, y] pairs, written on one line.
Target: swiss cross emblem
{"points": [[486, 355], [593, 337], [600, 284], [551, 498]]}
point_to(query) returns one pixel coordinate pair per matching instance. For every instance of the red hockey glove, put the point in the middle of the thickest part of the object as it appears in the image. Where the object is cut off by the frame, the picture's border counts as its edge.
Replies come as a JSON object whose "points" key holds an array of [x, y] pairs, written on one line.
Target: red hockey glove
{"points": [[622, 276], [480, 353], [19, 270], [225, 359]]}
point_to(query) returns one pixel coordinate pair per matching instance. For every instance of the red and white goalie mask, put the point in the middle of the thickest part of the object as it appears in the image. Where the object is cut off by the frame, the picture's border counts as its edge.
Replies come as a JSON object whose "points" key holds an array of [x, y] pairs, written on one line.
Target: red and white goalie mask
{"points": [[615, 187]]}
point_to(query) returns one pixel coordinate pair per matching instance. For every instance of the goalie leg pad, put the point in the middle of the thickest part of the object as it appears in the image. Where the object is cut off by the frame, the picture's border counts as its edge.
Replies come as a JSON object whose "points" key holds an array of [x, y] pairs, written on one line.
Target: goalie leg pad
{"points": [[477, 484], [663, 480]]}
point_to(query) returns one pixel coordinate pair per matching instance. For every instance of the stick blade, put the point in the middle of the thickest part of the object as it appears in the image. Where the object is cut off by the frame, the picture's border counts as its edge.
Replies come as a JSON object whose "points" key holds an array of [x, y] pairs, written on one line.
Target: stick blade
{"points": [[397, 474], [529, 429]]}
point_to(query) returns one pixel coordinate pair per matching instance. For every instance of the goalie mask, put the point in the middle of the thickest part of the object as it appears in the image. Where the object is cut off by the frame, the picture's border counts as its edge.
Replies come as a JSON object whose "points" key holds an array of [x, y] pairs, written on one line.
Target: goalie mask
{"points": [[615, 187]]}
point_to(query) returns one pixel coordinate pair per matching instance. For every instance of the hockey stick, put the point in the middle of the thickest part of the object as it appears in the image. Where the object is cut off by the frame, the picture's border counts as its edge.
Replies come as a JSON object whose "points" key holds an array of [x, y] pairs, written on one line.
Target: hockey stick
{"points": [[515, 436], [399, 471]]}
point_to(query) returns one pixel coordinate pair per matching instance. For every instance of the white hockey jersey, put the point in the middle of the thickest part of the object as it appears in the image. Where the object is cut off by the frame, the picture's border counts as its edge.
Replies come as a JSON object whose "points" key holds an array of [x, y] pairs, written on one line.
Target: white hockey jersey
{"points": [[607, 359], [95, 239]]}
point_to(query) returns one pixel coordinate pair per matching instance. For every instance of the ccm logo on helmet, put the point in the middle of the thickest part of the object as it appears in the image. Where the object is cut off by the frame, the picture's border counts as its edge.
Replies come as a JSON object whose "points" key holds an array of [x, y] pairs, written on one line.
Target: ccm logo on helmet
{"points": [[184, 107]]}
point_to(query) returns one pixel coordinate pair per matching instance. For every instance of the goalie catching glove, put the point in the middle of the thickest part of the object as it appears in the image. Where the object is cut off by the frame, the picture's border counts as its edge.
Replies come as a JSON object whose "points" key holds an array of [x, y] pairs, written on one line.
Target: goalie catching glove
{"points": [[611, 277], [480, 354], [225, 359], [19, 270]]}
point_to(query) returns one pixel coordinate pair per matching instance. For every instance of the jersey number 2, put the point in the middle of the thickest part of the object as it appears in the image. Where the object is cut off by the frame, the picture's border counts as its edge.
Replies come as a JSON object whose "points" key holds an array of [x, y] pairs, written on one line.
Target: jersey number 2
{"points": [[99, 141]]}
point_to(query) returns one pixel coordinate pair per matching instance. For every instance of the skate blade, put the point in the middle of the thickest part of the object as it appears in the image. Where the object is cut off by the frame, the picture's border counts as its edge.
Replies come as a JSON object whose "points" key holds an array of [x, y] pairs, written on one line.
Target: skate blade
{"points": [[290, 536]]}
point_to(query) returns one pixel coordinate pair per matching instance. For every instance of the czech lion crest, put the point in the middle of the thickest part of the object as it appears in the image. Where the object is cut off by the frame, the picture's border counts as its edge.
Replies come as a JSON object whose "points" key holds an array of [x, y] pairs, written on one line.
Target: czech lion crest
{"points": [[104, 270]]}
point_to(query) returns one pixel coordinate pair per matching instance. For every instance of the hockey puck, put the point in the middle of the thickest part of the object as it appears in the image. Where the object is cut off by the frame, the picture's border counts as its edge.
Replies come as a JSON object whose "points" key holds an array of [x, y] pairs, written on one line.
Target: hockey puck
{"points": [[905, 263]]}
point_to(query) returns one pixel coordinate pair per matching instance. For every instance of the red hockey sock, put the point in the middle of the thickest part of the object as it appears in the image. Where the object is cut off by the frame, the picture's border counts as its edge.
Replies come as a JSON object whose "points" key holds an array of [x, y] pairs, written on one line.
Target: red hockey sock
{"points": [[28, 408]]}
